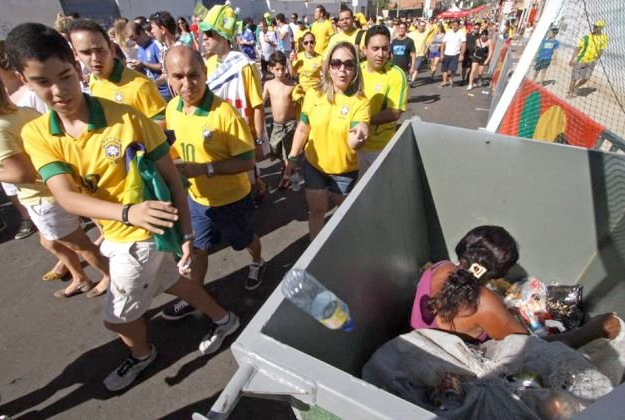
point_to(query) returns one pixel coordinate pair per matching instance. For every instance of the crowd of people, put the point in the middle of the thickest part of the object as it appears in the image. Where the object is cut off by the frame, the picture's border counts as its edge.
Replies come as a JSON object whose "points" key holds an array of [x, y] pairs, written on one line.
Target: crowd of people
{"points": [[153, 128]]}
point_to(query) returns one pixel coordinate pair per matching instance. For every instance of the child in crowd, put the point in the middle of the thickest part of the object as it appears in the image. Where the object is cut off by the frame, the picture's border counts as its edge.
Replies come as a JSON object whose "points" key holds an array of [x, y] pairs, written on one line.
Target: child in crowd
{"points": [[545, 55], [79, 149], [279, 91]]}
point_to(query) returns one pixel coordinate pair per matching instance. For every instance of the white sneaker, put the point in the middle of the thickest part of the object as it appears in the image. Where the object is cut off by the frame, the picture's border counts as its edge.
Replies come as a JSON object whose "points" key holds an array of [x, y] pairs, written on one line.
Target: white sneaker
{"points": [[469, 87], [216, 335], [128, 371]]}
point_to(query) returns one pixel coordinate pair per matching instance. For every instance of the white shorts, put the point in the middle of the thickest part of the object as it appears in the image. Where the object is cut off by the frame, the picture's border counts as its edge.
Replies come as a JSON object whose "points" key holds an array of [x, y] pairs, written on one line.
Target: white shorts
{"points": [[365, 160], [135, 279], [9, 189], [52, 220]]}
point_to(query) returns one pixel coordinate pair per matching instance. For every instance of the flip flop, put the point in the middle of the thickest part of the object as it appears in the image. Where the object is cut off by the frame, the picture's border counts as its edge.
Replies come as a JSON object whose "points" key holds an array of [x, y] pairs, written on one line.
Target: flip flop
{"points": [[53, 275], [82, 288], [95, 293]]}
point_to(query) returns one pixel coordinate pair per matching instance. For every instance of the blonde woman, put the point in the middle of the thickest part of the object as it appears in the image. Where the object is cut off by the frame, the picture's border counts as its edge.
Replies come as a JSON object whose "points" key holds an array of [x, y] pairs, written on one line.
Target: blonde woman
{"points": [[118, 36], [334, 123]]}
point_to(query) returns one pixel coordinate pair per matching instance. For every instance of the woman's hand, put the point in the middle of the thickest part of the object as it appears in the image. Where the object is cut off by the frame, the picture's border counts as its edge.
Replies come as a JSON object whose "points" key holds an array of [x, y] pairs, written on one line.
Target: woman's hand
{"points": [[358, 136]]}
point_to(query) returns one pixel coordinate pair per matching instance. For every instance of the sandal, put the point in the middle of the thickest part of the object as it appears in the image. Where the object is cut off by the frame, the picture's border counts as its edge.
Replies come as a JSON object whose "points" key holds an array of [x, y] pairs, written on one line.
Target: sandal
{"points": [[83, 287], [95, 293], [53, 275]]}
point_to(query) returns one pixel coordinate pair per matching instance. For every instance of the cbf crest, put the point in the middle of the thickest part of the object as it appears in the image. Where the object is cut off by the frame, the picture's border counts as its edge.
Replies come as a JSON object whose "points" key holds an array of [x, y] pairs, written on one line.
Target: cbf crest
{"points": [[344, 110], [119, 97], [112, 149]]}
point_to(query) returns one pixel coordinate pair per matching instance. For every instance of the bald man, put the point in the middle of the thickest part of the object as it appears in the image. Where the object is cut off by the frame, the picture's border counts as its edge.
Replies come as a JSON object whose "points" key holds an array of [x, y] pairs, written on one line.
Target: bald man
{"points": [[217, 150]]}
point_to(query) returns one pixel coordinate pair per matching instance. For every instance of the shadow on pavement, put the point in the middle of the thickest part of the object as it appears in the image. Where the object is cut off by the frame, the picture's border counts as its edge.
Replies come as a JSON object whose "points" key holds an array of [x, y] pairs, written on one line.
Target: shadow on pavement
{"points": [[246, 408]]}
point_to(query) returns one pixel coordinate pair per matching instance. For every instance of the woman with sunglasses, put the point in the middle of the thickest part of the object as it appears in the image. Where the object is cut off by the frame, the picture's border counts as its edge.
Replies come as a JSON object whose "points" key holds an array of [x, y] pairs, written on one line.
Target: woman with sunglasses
{"points": [[184, 32], [334, 123], [307, 66]]}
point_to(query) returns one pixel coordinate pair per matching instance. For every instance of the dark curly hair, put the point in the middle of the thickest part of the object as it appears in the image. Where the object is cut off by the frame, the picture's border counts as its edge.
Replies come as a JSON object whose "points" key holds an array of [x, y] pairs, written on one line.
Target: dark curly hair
{"points": [[493, 248]]}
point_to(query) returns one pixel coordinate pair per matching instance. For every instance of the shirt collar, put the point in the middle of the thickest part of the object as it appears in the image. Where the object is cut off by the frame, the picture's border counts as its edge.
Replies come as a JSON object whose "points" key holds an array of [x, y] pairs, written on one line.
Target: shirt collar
{"points": [[204, 107], [97, 118], [116, 74]]}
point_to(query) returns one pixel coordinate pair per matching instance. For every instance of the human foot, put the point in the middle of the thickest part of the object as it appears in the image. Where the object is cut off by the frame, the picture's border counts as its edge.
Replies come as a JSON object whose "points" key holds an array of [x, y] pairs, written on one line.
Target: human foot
{"points": [[74, 289], [99, 288]]}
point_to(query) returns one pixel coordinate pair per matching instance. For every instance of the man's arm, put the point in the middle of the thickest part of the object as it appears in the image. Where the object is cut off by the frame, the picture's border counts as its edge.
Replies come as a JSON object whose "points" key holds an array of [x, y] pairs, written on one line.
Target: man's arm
{"points": [[386, 116], [149, 215], [575, 53], [234, 165], [463, 49], [17, 169]]}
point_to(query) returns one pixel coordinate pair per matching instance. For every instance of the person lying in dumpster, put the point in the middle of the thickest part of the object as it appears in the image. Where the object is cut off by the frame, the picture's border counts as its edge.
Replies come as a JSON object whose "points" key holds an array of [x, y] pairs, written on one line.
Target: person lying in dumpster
{"points": [[453, 297]]}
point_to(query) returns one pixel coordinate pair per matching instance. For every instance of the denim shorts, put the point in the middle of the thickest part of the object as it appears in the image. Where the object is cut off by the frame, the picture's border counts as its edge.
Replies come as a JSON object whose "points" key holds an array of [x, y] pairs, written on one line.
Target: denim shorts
{"points": [[230, 224], [450, 63], [339, 184]]}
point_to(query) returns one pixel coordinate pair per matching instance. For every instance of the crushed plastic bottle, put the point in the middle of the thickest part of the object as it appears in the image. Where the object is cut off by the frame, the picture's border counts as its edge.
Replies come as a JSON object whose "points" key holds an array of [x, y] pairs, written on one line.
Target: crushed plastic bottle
{"points": [[304, 291]]}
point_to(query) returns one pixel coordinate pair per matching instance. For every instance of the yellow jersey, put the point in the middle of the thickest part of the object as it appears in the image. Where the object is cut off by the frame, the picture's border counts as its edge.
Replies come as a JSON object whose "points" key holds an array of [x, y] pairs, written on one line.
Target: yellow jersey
{"points": [[326, 148], [420, 40], [127, 86], [591, 47], [96, 158], [322, 30], [298, 38], [309, 70], [213, 132], [385, 89], [11, 144], [350, 37]]}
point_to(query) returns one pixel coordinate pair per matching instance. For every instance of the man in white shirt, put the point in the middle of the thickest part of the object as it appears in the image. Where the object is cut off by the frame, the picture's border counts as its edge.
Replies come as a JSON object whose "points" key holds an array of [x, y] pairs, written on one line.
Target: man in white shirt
{"points": [[285, 35], [293, 24], [453, 49], [268, 43]]}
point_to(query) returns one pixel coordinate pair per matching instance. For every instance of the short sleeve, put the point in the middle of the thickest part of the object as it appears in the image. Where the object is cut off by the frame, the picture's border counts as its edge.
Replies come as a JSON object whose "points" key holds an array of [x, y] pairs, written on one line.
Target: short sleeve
{"points": [[307, 106], [411, 47], [252, 81], [43, 156], [362, 113], [239, 135], [151, 136], [396, 97], [149, 101], [9, 145], [463, 37]]}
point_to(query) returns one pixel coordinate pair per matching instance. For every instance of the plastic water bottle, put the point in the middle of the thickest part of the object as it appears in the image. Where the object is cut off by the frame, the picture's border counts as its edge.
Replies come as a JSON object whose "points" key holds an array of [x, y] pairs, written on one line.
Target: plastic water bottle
{"points": [[295, 182], [305, 292]]}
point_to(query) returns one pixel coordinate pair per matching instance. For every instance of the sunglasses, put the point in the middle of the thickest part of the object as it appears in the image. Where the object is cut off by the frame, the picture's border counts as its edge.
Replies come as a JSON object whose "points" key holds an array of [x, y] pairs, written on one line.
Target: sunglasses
{"points": [[335, 64], [308, 42]]}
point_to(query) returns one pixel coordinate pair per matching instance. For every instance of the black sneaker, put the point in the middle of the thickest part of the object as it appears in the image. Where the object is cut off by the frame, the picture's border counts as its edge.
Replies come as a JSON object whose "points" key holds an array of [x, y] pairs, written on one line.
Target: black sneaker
{"points": [[255, 275], [178, 310], [26, 229], [128, 371]]}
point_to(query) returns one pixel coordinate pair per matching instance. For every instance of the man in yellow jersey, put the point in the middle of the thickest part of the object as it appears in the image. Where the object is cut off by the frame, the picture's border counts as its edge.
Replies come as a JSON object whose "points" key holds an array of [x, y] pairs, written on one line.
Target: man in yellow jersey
{"points": [[80, 149], [322, 29], [234, 77], [387, 91], [217, 150], [420, 37], [110, 79], [588, 52], [349, 32]]}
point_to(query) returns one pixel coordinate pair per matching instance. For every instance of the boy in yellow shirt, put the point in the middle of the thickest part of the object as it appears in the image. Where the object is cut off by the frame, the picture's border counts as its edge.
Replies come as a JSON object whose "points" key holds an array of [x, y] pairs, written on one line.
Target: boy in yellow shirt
{"points": [[79, 148], [110, 79]]}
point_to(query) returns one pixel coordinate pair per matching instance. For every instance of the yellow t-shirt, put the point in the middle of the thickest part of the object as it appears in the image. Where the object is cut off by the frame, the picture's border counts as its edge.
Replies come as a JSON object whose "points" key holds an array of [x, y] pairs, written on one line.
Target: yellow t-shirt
{"points": [[298, 38], [349, 37], [309, 70], [327, 148], [251, 79], [385, 89], [591, 46], [213, 132], [11, 144], [96, 158], [322, 30], [127, 86], [420, 40]]}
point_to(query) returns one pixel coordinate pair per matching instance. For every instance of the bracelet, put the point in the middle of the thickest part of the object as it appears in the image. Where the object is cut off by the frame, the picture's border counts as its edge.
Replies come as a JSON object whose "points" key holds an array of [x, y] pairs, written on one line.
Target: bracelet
{"points": [[292, 158], [188, 237], [125, 211], [258, 141], [210, 170]]}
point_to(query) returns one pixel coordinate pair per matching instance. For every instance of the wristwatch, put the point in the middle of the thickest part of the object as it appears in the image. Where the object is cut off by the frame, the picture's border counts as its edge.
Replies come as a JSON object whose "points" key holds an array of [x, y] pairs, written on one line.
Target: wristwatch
{"points": [[125, 210], [258, 141], [210, 170], [292, 158], [188, 237]]}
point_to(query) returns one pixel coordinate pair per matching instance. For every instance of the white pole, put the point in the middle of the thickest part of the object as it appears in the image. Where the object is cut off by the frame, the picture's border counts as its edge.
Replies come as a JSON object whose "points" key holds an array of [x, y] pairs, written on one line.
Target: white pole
{"points": [[552, 7]]}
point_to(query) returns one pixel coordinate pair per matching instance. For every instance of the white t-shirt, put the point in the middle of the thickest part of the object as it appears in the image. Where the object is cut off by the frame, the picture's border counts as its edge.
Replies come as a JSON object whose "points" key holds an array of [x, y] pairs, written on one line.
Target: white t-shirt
{"points": [[29, 99], [266, 49], [284, 44], [453, 41]]}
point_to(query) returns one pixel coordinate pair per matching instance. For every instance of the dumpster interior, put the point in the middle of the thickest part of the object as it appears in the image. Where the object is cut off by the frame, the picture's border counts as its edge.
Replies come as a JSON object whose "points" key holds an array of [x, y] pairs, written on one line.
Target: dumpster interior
{"points": [[564, 206]]}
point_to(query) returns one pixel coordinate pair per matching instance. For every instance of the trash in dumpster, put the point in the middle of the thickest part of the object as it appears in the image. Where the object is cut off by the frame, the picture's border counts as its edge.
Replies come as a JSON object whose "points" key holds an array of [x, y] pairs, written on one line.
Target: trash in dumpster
{"points": [[564, 304], [304, 291]]}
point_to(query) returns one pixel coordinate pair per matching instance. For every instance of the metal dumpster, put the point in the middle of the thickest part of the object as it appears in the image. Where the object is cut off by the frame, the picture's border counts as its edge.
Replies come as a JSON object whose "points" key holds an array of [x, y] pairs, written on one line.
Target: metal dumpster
{"points": [[563, 204]]}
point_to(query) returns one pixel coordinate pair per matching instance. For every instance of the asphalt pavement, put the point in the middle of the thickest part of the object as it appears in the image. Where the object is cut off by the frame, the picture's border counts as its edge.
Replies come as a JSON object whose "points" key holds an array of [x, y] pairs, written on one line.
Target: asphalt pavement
{"points": [[54, 353]]}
